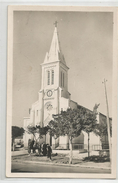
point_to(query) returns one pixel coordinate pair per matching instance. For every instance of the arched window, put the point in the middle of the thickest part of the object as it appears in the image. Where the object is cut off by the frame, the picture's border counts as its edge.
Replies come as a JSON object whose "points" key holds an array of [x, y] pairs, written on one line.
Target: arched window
{"points": [[52, 77], [48, 78]]}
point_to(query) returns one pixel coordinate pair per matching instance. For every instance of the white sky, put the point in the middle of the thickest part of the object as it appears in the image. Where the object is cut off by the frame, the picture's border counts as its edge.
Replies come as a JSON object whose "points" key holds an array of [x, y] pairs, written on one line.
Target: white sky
{"points": [[87, 44]]}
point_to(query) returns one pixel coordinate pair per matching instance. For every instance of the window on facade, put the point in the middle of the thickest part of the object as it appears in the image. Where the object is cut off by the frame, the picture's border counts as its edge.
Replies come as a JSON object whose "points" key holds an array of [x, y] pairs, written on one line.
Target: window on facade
{"points": [[29, 110], [52, 77], [48, 78], [37, 112], [63, 79]]}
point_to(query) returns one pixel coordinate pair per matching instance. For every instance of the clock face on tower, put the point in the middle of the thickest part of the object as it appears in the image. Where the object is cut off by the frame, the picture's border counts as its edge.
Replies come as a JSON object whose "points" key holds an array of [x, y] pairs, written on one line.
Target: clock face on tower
{"points": [[48, 106], [49, 93]]}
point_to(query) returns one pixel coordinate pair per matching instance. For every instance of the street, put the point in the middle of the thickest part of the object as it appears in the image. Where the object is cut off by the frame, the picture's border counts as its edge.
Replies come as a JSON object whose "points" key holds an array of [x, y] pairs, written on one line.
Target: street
{"points": [[38, 168]]}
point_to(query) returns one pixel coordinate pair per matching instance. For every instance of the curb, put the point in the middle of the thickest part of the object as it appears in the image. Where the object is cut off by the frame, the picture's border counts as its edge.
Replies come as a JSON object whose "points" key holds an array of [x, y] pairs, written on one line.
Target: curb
{"points": [[60, 164], [13, 155]]}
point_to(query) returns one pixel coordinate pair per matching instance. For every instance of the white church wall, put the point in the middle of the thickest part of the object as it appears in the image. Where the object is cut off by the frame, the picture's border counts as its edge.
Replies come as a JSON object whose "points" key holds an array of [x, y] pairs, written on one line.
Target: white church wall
{"points": [[26, 122], [56, 76], [85, 139], [46, 111], [26, 136], [64, 142], [37, 115], [94, 141], [64, 93], [63, 76], [36, 112], [64, 104], [55, 142], [32, 116], [55, 102], [73, 105], [41, 107], [95, 144]]}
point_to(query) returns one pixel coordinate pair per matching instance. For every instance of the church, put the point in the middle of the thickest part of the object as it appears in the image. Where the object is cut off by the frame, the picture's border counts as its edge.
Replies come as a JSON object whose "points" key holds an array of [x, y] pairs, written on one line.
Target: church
{"points": [[54, 97]]}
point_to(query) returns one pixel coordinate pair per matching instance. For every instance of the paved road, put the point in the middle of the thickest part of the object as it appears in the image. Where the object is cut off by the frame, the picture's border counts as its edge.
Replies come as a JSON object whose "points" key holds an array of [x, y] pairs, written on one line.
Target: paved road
{"points": [[36, 168]]}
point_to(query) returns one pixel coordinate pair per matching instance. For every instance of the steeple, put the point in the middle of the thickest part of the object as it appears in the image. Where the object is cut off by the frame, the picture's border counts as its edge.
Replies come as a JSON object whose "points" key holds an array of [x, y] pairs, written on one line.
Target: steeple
{"points": [[55, 53]]}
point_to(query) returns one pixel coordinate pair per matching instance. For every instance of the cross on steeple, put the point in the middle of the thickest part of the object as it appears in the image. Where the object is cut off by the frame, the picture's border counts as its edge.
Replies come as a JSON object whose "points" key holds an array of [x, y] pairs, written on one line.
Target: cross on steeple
{"points": [[55, 53], [55, 23]]}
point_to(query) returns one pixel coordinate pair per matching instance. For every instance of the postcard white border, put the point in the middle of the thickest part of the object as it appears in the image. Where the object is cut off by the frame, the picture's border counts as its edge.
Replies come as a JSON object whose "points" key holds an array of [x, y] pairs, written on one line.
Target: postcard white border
{"points": [[11, 9]]}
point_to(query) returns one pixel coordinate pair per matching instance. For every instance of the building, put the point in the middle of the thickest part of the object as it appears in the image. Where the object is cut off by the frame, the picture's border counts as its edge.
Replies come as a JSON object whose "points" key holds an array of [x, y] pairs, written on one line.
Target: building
{"points": [[54, 97]]}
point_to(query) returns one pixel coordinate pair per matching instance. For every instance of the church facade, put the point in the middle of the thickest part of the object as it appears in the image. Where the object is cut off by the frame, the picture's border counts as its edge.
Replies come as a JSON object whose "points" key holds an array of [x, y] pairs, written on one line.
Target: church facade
{"points": [[54, 97]]}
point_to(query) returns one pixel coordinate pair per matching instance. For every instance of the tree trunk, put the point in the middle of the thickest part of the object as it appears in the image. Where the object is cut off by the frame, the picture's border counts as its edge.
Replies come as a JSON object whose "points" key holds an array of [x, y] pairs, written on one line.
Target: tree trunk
{"points": [[88, 145], [101, 146], [45, 138], [13, 145], [55, 143], [70, 160]]}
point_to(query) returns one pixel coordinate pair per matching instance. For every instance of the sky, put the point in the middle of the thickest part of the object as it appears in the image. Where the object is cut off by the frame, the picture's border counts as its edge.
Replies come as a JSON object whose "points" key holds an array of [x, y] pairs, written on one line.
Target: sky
{"points": [[86, 40]]}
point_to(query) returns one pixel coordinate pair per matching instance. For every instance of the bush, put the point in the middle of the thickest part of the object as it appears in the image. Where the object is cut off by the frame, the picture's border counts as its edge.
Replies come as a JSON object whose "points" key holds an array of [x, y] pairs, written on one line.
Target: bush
{"points": [[97, 159]]}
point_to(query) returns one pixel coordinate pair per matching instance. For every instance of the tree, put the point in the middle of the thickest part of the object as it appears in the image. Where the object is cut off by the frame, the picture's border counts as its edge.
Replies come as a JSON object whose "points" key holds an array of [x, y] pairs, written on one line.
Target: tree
{"points": [[101, 129], [16, 131], [89, 124], [31, 129], [42, 131], [67, 123], [54, 129]]}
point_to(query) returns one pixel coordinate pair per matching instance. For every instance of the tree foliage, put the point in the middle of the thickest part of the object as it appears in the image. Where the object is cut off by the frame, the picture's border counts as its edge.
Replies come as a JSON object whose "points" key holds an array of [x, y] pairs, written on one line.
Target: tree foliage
{"points": [[17, 131], [31, 129], [101, 128], [90, 120], [72, 122], [67, 123], [42, 130]]}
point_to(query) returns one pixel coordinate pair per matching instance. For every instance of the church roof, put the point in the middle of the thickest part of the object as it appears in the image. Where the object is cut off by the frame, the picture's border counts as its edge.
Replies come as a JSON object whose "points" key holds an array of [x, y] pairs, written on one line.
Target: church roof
{"points": [[55, 53]]}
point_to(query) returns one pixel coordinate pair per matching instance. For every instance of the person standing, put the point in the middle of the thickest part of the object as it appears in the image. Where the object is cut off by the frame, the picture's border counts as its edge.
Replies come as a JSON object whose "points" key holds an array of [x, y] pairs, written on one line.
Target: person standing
{"points": [[29, 147], [49, 151], [44, 149], [33, 143], [39, 149]]}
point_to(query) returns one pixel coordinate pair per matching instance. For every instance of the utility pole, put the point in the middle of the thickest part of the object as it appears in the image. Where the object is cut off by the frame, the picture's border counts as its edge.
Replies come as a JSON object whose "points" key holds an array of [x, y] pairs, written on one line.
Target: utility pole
{"points": [[108, 123]]}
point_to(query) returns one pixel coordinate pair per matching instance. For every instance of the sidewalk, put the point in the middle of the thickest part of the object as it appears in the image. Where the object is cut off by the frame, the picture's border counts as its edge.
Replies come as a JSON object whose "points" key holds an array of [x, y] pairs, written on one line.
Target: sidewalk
{"points": [[82, 164], [76, 153], [22, 156], [18, 153]]}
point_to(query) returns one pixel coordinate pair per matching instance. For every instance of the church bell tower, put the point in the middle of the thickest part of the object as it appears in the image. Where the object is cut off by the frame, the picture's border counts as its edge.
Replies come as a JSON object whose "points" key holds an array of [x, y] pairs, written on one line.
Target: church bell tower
{"points": [[54, 95]]}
